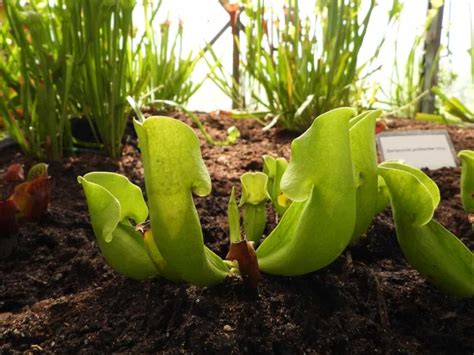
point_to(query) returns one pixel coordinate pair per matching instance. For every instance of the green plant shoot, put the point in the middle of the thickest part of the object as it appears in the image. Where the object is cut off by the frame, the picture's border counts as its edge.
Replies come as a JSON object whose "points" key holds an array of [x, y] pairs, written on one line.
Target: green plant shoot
{"points": [[254, 196], [274, 168], [436, 253], [233, 218]]}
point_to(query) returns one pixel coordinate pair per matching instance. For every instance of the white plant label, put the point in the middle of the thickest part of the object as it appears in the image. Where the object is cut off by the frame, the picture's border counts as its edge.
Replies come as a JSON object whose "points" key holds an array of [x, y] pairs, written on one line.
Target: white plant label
{"points": [[422, 149]]}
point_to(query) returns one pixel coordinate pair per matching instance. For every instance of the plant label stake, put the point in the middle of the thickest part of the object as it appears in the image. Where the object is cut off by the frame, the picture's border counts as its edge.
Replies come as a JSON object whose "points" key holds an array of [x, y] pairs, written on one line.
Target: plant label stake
{"points": [[421, 149]]}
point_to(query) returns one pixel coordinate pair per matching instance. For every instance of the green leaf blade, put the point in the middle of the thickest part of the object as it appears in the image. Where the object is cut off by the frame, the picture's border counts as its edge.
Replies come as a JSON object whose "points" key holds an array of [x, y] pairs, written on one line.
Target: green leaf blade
{"points": [[233, 218]]}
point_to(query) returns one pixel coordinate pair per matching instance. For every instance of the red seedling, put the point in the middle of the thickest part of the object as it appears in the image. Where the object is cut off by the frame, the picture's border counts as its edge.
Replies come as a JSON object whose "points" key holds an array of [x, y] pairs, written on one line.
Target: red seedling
{"points": [[244, 252], [14, 174], [32, 198]]}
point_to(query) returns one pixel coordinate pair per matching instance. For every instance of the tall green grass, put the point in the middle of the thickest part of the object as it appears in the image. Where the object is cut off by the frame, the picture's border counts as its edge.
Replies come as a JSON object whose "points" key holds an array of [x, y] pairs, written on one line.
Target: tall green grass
{"points": [[170, 69], [82, 58], [302, 71], [9, 77], [101, 41], [74, 60], [38, 77]]}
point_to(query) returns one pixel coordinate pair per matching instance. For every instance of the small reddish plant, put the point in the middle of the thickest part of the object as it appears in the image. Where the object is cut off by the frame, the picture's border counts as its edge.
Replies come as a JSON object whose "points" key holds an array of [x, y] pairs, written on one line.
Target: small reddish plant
{"points": [[21, 201]]}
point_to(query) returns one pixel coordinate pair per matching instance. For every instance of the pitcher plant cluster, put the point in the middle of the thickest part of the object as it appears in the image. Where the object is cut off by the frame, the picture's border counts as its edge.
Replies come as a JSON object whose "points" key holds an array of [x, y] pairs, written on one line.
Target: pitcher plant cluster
{"points": [[325, 197]]}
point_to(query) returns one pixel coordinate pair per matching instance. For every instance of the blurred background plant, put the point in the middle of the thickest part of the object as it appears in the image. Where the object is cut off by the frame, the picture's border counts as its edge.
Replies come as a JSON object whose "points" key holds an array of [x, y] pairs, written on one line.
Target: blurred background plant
{"points": [[169, 68], [452, 109], [9, 70], [81, 59], [295, 70], [408, 80], [36, 78], [101, 37]]}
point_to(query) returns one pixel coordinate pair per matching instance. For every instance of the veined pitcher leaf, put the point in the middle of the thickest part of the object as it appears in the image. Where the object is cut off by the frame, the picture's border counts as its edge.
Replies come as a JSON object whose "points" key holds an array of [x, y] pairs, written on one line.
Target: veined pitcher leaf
{"points": [[433, 251], [317, 228], [110, 207], [414, 196], [14, 174], [364, 159], [37, 170], [174, 169]]}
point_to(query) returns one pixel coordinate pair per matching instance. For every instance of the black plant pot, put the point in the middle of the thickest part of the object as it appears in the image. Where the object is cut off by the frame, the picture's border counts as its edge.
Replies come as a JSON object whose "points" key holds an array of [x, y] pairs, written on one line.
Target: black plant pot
{"points": [[82, 131], [6, 142]]}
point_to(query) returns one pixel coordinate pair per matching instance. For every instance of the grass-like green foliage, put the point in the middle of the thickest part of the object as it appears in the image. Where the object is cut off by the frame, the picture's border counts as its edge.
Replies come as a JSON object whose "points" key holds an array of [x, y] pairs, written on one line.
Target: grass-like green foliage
{"points": [[471, 50], [38, 77], [467, 180], [299, 74], [406, 86], [163, 60], [101, 41], [9, 75], [435, 252], [73, 60], [78, 58], [458, 113]]}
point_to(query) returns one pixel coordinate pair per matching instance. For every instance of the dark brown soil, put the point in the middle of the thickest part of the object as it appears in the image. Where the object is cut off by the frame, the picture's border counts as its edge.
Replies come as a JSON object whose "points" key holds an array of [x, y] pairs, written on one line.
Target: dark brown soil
{"points": [[58, 295]]}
